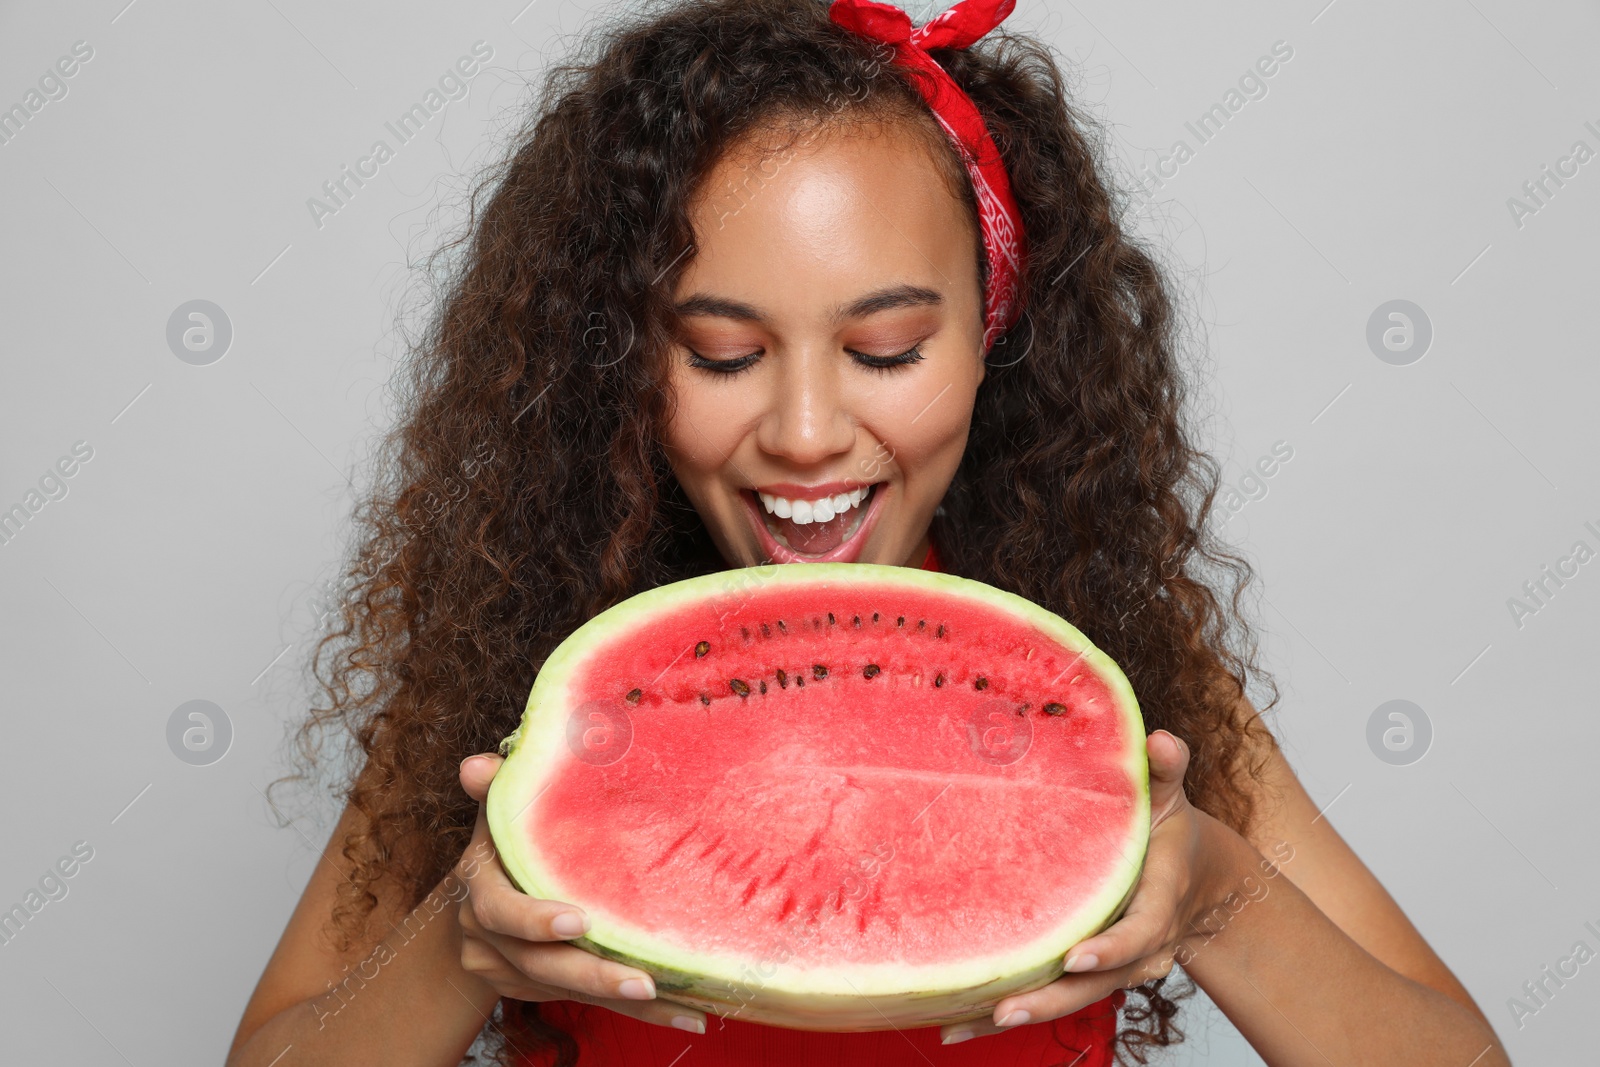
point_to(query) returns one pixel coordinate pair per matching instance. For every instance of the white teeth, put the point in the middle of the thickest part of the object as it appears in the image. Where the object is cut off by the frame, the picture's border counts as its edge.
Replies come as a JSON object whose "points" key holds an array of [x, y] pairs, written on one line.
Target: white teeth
{"points": [[809, 511]]}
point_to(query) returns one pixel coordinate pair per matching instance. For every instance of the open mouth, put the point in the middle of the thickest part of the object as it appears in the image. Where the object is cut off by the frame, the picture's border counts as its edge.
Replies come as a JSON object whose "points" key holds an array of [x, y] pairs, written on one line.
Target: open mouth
{"points": [[830, 529]]}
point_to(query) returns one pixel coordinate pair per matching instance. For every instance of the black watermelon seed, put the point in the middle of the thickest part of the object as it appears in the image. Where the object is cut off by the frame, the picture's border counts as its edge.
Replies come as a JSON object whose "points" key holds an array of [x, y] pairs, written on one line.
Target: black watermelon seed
{"points": [[800, 680], [938, 680], [940, 631], [739, 686], [782, 627], [783, 679], [1054, 709], [764, 631], [981, 683], [856, 620], [818, 671], [744, 632], [870, 670], [705, 700], [922, 624], [763, 685], [901, 621], [830, 618], [633, 696], [874, 616], [701, 649]]}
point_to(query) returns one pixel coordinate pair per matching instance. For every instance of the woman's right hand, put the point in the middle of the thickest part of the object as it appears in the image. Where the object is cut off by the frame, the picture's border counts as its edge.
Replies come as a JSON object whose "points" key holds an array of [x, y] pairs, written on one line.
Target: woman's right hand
{"points": [[514, 942]]}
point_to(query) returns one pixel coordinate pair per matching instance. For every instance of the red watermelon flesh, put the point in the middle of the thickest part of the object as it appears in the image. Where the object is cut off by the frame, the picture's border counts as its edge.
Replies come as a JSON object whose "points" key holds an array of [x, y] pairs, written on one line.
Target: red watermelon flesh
{"points": [[830, 796]]}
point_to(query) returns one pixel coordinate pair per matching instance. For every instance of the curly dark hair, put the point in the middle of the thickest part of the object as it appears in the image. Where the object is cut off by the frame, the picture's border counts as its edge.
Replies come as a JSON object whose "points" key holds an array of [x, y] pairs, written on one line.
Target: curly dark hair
{"points": [[524, 487]]}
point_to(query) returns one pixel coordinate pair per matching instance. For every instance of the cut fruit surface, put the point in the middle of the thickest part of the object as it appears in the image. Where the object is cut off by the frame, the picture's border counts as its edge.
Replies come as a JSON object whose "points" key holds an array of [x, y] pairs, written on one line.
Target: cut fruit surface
{"points": [[829, 796]]}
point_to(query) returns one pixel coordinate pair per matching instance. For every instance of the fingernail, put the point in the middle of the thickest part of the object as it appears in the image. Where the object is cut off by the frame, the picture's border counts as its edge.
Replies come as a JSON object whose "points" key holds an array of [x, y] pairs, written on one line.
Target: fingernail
{"points": [[957, 1037], [569, 924], [638, 989], [684, 1022], [1086, 962], [1015, 1018]]}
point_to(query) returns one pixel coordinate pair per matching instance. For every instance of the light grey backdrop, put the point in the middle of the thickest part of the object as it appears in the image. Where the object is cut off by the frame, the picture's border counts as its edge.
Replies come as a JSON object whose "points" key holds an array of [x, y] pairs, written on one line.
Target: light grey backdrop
{"points": [[182, 559]]}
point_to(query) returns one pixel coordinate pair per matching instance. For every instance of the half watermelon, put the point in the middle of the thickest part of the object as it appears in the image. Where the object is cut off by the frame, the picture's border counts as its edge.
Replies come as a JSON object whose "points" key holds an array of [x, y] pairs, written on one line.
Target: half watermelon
{"points": [[829, 796]]}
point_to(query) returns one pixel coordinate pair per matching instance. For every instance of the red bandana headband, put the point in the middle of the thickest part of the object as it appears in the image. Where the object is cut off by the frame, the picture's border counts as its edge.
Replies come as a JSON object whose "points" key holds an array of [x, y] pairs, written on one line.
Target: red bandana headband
{"points": [[963, 23]]}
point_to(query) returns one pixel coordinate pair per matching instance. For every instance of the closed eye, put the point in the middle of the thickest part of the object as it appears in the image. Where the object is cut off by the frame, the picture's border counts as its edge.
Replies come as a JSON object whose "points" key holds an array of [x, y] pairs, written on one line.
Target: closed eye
{"points": [[743, 363]]}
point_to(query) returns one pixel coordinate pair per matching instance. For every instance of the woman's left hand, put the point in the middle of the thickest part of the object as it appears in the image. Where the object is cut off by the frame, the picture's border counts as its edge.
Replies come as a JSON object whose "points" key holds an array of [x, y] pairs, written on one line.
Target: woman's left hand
{"points": [[1143, 943]]}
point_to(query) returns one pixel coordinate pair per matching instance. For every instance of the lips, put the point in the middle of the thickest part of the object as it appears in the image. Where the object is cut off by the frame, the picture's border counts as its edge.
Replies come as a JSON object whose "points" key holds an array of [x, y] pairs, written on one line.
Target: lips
{"points": [[849, 551]]}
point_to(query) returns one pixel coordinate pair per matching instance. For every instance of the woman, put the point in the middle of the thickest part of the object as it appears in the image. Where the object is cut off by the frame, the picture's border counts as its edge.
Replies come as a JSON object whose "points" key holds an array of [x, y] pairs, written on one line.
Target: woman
{"points": [[737, 267]]}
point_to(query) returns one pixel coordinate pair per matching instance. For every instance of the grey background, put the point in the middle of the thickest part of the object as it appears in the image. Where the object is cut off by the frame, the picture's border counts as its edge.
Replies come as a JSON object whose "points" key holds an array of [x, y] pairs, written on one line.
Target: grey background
{"points": [[184, 561]]}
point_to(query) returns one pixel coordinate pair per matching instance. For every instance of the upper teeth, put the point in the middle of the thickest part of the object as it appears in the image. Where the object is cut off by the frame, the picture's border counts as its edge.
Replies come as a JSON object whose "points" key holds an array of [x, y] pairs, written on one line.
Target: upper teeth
{"points": [[807, 511]]}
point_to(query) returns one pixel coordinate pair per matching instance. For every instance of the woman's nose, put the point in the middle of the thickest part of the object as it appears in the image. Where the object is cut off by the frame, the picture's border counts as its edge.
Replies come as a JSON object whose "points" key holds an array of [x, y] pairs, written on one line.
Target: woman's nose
{"points": [[807, 420]]}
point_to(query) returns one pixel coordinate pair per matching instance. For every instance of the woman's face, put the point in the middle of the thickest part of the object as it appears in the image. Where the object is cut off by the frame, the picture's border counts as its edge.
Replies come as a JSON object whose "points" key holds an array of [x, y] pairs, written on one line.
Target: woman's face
{"points": [[828, 350]]}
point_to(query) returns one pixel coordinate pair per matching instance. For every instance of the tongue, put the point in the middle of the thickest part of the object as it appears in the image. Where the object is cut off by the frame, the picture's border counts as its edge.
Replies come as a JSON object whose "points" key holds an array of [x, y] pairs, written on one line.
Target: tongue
{"points": [[814, 538]]}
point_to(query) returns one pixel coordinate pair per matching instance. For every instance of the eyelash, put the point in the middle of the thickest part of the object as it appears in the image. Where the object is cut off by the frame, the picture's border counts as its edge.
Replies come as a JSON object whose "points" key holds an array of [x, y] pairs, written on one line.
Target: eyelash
{"points": [[730, 367]]}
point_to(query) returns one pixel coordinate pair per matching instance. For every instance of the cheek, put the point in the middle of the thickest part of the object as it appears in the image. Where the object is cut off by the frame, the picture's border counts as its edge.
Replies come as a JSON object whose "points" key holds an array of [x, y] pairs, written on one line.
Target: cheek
{"points": [[928, 427], [697, 440]]}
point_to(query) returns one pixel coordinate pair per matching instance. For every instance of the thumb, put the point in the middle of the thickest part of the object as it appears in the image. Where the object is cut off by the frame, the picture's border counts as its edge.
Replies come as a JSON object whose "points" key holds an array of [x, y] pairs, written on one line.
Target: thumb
{"points": [[477, 772], [1169, 761]]}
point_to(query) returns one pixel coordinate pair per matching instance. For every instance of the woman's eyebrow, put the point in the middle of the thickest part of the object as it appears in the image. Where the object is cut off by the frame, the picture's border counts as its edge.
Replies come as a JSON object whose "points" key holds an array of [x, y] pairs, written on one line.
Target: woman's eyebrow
{"points": [[892, 297]]}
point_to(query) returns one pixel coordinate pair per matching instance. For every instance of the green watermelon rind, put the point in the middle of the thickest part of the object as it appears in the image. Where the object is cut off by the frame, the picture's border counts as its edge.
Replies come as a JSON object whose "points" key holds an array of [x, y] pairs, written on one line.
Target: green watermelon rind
{"points": [[839, 999]]}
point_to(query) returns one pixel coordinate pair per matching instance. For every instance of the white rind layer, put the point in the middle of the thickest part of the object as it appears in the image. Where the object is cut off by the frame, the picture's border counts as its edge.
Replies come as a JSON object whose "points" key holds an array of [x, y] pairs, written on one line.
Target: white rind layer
{"points": [[780, 992]]}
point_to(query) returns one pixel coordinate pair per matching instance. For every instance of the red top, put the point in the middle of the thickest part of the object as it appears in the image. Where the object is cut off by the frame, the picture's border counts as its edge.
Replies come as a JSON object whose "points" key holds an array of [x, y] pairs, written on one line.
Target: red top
{"points": [[608, 1039]]}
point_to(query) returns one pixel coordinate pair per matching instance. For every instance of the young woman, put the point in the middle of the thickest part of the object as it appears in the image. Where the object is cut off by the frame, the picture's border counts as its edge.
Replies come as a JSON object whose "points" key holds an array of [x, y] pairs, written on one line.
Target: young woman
{"points": [[754, 263]]}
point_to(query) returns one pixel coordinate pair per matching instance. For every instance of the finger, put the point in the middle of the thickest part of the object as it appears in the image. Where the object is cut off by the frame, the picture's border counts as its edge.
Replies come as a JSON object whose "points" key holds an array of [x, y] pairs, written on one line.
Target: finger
{"points": [[1169, 761], [655, 1012], [1139, 933], [505, 910], [477, 772], [493, 902], [568, 967], [1064, 996]]}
